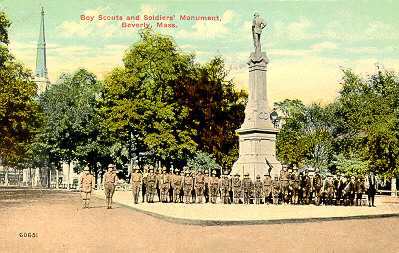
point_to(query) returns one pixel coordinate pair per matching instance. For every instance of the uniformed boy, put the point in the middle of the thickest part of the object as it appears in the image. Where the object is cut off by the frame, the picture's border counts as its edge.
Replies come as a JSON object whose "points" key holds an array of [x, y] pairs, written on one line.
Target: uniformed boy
{"points": [[86, 185], [110, 182]]}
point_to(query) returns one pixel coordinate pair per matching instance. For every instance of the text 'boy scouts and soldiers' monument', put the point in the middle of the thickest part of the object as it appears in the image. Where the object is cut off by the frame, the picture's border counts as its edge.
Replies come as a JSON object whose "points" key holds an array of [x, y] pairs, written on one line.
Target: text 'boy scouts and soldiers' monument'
{"points": [[257, 139]]}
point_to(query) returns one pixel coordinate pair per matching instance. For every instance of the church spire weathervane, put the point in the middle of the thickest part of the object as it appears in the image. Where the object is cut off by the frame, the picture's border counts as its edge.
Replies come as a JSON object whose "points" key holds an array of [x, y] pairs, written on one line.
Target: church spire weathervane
{"points": [[41, 77]]}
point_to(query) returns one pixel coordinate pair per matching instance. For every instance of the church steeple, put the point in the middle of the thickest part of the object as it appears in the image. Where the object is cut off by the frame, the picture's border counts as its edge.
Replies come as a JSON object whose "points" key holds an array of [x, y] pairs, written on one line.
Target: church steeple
{"points": [[41, 77]]}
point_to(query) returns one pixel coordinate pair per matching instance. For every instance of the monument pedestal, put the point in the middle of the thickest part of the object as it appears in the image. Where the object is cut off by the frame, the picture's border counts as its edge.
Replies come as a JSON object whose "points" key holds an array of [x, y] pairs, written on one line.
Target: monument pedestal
{"points": [[257, 135]]}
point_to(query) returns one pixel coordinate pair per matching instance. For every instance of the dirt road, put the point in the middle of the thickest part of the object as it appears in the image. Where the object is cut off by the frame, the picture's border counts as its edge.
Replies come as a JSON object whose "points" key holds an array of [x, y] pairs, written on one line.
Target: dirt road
{"points": [[62, 226]]}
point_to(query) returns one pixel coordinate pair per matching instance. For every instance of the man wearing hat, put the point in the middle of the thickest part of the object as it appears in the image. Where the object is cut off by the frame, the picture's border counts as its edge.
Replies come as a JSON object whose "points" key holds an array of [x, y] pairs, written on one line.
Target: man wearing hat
{"points": [[306, 186], [237, 187], [248, 188], [371, 184], [213, 187], [151, 185], [276, 190], [136, 181], [258, 189], [349, 191], [317, 185], [199, 186], [284, 183], [360, 189], [188, 186], [206, 189], [225, 188], [164, 185], [110, 182], [86, 185], [177, 185], [295, 185], [267, 188], [328, 189]]}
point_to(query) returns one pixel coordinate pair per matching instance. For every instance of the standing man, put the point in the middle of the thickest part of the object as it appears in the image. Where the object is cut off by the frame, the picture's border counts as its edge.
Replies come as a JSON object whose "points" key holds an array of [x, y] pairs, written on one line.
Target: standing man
{"points": [[188, 185], [248, 187], [295, 185], [206, 180], [199, 186], [276, 190], [257, 25], [152, 180], [371, 183], [86, 185], [137, 183], [306, 186], [329, 189], [237, 187], [110, 182], [213, 187], [267, 188], [359, 188], [317, 185], [225, 188], [258, 189], [164, 185], [177, 185], [284, 183]]}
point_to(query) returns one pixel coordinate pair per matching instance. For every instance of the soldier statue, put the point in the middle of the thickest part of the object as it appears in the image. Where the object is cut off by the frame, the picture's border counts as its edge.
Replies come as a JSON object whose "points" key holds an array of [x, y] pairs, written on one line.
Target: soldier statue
{"points": [[86, 186], [257, 25]]}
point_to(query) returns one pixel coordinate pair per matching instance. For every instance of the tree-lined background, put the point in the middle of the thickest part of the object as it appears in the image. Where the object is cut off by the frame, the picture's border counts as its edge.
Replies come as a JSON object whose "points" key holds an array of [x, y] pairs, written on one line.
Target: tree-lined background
{"points": [[161, 106]]}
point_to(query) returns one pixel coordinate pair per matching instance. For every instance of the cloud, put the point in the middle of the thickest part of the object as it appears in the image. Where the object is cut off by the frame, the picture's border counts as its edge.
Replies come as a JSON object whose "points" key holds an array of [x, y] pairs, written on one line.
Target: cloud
{"points": [[209, 29], [320, 47]]}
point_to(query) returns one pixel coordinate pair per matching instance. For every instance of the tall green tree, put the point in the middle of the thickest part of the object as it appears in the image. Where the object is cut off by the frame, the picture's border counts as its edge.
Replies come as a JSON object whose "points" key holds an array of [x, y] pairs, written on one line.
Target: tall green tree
{"points": [[20, 114], [216, 109], [71, 131]]}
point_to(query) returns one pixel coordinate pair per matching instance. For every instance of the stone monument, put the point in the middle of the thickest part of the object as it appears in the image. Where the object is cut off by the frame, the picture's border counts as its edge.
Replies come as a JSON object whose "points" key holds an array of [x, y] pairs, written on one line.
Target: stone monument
{"points": [[257, 135]]}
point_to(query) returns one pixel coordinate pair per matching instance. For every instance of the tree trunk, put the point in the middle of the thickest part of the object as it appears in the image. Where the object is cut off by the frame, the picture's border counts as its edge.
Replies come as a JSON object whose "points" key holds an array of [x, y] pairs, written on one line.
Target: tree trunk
{"points": [[68, 175], [57, 179], [393, 187], [6, 176]]}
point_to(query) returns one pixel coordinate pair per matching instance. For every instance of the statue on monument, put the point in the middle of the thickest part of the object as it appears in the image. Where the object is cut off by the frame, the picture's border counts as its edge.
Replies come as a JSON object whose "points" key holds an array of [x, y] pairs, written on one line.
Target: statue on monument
{"points": [[257, 25]]}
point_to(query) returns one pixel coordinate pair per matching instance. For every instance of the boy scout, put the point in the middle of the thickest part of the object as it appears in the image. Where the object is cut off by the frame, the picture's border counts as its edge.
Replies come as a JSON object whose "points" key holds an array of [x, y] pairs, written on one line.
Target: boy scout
{"points": [[164, 184], [258, 189], [137, 182], [86, 185], [267, 188], [248, 187], [225, 188], [110, 182], [276, 190], [295, 185], [284, 183], [213, 187], [237, 187], [199, 186], [177, 185], [151, 185], [188, 183], [317, 185]]}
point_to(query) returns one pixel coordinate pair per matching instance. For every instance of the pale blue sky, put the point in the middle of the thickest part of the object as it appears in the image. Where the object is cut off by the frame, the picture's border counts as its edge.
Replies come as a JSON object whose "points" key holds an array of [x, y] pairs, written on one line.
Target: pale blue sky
{"points": [[307, 42]]}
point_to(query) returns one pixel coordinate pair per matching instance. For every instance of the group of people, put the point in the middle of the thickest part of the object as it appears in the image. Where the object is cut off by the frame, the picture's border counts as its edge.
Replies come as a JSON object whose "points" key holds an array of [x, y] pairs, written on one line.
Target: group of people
{"points": [[290, 187]]}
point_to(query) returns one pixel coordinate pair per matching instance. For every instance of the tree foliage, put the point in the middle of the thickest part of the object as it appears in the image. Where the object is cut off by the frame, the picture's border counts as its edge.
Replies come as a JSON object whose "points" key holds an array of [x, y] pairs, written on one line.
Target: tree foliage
{"points": [[20, 114]]}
